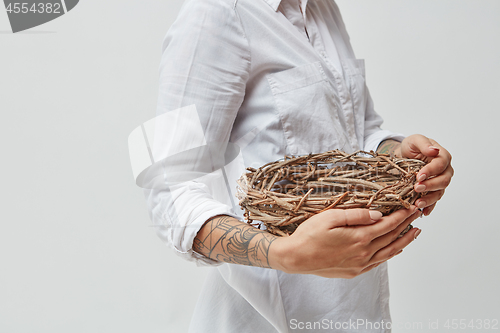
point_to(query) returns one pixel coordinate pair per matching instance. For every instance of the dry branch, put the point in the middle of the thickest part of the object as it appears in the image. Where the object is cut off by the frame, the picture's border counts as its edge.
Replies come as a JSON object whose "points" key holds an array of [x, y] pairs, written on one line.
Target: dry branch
{"points": [[285, 193]]}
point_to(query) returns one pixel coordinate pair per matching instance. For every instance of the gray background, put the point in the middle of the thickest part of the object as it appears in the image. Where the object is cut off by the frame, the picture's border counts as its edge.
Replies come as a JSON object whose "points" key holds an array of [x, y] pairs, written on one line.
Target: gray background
{"points": [[76, 250]]}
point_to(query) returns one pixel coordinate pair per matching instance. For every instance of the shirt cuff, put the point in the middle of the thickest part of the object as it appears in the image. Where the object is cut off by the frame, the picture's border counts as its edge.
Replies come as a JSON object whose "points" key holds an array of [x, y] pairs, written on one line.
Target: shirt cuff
{"points": [[373, 140], [184, 248]]}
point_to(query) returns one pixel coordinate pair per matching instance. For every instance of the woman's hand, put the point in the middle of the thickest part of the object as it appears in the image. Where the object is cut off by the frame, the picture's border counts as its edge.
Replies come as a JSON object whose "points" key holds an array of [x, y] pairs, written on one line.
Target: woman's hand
{"points": [[341, 243], [435, 176], [336, 243]]}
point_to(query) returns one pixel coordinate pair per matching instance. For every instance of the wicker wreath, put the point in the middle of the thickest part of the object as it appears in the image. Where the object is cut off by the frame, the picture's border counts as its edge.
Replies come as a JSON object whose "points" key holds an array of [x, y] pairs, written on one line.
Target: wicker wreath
{"points": [[285, 193]]}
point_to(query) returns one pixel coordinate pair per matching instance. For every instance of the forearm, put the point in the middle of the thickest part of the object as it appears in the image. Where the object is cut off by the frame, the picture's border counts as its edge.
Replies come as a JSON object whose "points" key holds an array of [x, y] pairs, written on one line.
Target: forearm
{"points": [[226, 239], [391, 147], [325, 245]]}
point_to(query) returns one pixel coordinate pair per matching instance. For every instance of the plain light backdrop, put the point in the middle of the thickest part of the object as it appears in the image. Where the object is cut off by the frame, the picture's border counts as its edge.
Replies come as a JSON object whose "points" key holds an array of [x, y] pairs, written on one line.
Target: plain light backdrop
{"points": [[77, 252]]}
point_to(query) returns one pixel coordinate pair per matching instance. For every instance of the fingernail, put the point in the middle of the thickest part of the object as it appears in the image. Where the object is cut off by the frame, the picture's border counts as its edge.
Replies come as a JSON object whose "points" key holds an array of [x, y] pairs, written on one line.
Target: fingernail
{"points": [[421, 204], [420, 188], [434, 148], [399, 252], [417, 233], [375, 215], [422, 177]]}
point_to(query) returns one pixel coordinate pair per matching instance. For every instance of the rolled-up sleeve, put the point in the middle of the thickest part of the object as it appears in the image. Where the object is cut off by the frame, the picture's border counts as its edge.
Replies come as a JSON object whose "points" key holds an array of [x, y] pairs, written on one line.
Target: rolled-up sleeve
{"points": [[374, 134], [205, 63]]}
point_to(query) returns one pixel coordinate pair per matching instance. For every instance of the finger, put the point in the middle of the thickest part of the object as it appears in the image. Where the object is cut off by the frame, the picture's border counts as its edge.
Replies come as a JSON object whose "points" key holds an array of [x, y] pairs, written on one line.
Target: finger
{"points": [[436, 166], [350, 217], [383, 241], [396, 246], [427, 211], [437, 183], [389, 223], [372, 266], [429, 199], [369, 268]]}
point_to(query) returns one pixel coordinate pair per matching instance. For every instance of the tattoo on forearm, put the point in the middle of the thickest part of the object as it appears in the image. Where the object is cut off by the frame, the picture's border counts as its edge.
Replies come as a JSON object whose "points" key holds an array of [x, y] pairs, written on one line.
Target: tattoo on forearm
{"points": [[388, 147], [240, 244]]}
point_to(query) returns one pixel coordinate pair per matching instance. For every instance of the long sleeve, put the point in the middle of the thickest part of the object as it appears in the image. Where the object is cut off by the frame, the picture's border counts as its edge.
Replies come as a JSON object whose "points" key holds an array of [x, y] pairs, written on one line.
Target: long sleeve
{"points": [[374, 135], [335, 40], [205, 64]]}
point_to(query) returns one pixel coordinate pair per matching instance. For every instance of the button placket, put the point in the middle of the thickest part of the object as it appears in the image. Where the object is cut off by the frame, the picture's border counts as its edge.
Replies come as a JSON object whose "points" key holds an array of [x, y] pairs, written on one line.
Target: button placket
{"points": [[302, 11]]}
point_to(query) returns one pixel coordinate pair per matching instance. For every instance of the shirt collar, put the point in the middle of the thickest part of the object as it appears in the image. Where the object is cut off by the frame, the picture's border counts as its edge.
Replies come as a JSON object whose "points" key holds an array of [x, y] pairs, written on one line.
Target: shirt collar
{"points": [[274, 4]]}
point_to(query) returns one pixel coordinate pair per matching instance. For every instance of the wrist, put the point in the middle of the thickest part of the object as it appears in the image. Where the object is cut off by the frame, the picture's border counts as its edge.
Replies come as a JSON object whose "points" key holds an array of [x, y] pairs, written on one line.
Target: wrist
{"points": [[280, 254], [391, 147], [397, 151]]}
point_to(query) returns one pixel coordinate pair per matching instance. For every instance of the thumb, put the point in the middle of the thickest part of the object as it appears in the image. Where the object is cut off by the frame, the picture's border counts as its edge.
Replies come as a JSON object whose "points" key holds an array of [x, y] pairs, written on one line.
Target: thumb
{"points": [[350, 217], [418, 146]]}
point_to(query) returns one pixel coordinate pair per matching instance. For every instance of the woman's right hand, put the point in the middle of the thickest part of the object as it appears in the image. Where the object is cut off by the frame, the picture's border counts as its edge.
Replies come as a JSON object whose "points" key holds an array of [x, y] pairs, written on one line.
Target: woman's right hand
{"points": [[341, 243]]}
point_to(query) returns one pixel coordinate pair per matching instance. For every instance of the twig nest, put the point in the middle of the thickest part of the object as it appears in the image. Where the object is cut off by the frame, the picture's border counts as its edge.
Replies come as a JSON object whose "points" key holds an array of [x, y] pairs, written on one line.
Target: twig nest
{"points": [[285, 193]]}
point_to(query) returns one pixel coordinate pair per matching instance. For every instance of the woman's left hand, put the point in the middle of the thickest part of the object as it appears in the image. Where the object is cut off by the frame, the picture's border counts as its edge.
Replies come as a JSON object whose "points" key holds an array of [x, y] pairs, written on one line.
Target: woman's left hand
{"points": [[435, 176]]}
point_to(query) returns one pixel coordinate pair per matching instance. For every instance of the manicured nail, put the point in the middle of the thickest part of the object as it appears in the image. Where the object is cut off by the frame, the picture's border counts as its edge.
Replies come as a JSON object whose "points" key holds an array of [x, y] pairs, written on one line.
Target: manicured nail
{"points": [[420, 188], [375, 215], [417, 233], [422, 177], [434, 148], [421, 204], [399, 252]]}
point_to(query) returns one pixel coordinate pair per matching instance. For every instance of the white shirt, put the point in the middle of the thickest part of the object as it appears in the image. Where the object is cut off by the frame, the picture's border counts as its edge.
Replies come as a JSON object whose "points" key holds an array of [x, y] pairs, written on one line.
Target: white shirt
{"points": [[275, 78]]}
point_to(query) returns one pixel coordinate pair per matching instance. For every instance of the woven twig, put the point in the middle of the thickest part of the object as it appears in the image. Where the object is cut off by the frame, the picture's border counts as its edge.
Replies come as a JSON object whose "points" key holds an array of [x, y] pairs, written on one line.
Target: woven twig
{"points": [[285, 193]]}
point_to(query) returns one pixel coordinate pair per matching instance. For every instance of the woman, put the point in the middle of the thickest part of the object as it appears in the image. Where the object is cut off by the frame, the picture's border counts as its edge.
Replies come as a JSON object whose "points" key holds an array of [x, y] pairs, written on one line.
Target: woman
{"points": [[276, 78]]}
